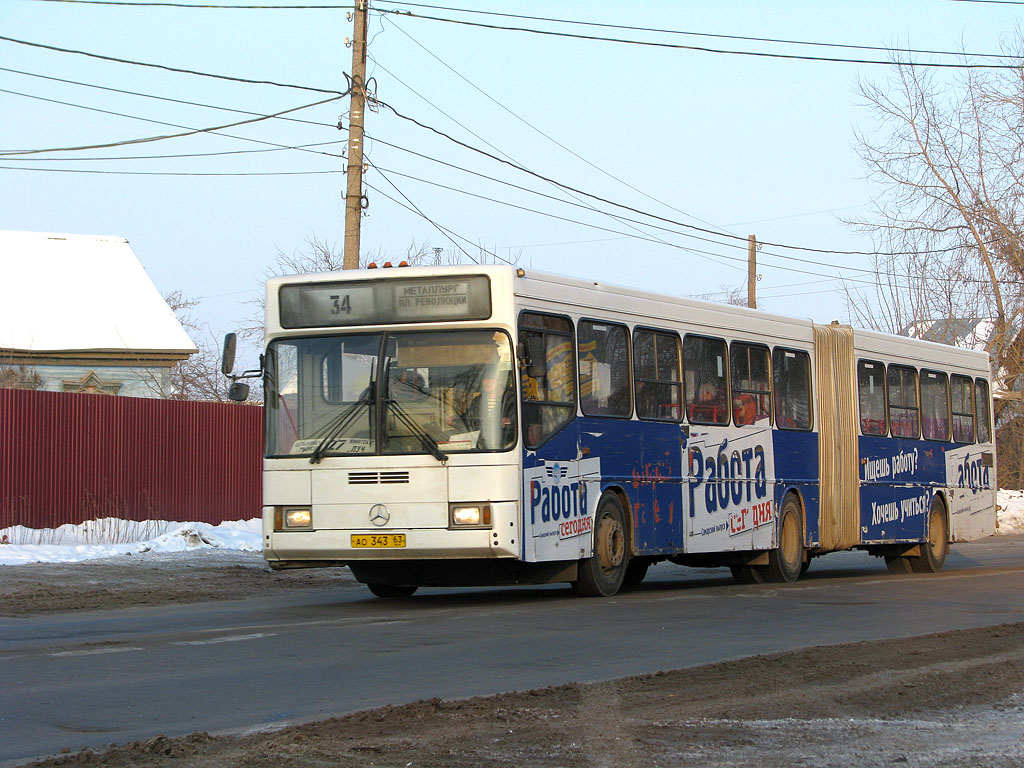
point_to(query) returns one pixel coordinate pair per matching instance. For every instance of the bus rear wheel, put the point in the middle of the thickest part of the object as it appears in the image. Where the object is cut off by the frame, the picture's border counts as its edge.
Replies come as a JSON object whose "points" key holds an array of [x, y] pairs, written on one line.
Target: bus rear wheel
{"points": [[934, 551], [748, 574], [602, 574], [898, 564], [786, 561], [391, 590]]}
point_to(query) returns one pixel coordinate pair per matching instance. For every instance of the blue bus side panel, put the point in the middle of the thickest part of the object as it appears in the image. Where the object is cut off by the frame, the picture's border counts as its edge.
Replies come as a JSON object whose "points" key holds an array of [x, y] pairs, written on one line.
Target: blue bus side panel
{"points": [[796, 469], [650, 475], [899, 478]]}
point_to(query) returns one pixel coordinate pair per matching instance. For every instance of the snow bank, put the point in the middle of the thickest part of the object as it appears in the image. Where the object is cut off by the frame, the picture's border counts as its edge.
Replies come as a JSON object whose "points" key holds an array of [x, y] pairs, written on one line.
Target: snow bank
{"points": [[74, 543], [1011, 511]]}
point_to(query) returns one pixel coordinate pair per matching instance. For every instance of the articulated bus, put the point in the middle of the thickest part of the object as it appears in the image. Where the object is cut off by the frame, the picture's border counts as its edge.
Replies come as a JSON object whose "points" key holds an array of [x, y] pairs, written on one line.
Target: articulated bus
{"points": [[459, 426]]}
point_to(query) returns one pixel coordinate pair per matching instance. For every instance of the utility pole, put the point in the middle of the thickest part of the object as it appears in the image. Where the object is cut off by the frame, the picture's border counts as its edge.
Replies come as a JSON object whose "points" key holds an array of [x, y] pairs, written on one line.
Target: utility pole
{"points": [[751, 272], [357, 110]]}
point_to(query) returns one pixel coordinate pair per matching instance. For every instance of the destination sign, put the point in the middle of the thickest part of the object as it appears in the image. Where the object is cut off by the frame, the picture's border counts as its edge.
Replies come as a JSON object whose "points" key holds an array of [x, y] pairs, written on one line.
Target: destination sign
{"points": [[378, 302]]}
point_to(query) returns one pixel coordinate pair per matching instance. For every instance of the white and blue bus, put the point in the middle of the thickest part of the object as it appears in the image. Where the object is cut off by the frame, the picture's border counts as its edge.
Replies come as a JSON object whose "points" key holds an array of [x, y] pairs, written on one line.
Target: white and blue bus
{"points": [[491, 425]]}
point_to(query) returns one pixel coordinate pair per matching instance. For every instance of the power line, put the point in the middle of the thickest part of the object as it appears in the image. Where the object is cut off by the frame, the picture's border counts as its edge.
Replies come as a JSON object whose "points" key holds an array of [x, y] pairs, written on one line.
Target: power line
{"points": [[525, 122], [621, 219], [698, 49], [642, 212], [512, 161], [167, 173], [158, 98], [169, 68], [444, 230], [698, 252], [415, 207], [207, 6], [663, 31], [107, 145], [184, 155]]}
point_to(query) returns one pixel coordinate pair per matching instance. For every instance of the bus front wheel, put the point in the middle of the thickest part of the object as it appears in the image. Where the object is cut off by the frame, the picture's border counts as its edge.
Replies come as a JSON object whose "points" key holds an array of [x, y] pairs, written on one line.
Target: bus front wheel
{"points": [[602, 574]]}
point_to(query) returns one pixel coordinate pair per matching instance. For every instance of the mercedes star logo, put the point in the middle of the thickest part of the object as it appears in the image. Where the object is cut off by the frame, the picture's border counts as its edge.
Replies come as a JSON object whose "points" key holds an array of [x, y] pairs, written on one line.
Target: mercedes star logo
{"points": [[379, 515]]}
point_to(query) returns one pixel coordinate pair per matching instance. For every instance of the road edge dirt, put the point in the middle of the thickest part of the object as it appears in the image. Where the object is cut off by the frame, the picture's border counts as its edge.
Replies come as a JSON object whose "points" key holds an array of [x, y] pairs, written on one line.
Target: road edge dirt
{"points": [[950, 699]]}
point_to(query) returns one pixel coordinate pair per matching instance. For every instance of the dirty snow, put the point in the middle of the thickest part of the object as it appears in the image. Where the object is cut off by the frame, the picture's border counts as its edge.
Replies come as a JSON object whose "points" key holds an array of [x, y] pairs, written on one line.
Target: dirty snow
{"points": [[110, 537], [1011, 511]]}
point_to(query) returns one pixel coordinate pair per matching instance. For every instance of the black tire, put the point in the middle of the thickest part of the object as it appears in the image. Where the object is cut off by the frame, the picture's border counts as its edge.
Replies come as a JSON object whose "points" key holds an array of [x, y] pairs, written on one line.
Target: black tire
{"points": [[635, 573], [786, 561], [935, 549], [748, 574], [898, 564], [391, 590], [602, 574]]}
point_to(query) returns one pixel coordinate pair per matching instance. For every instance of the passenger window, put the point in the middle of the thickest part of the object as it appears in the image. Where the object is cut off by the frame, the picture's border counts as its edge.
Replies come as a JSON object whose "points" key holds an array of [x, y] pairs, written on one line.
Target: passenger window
{"points": [[791, 371], [934, 405], [982, 401], [962, 406], [705, 381], [548, 378], [871, 393], [603, 350], [901, 386], [657, 375], [751, 390]]}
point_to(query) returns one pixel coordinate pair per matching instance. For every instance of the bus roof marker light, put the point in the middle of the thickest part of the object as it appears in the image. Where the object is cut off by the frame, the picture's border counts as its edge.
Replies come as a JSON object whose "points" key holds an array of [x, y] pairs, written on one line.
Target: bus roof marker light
{"points": [[520, 272], [372, 265]]}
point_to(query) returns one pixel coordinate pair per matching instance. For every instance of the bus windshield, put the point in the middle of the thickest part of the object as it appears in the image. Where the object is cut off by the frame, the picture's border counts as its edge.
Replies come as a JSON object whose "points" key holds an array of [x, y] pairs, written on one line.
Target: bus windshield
{"points": [[434, 392]]}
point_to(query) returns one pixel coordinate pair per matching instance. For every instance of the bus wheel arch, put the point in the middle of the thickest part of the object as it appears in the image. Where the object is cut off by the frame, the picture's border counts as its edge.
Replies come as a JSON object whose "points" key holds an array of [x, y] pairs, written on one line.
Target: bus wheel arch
{"points": [[602, 574], [935, 547]]}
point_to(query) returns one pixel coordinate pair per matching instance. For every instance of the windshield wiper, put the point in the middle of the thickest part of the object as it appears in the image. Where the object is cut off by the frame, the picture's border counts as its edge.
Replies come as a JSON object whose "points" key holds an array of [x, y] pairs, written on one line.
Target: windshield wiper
{"points": [[340, 423], [417, 429]]}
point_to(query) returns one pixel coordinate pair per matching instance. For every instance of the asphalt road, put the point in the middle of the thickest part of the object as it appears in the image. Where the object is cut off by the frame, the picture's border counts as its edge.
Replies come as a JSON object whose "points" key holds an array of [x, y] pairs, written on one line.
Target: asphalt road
{"points": [[90, 679]]}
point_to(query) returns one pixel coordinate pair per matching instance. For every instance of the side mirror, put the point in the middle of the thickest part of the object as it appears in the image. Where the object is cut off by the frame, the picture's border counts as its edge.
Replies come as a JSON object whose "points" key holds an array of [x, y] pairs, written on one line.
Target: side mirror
{"points": [[238, 392], [227, 362]]}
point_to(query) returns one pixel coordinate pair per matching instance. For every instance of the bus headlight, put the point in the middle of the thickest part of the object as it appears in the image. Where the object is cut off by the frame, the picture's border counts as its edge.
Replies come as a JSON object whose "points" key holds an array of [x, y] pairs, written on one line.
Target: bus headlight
{"points": [[469, 515], [298, 518]]}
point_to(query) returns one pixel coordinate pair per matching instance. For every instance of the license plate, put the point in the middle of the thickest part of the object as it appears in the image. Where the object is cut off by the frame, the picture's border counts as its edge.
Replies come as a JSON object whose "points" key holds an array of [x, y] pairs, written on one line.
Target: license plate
{"points": [[378, 541]]}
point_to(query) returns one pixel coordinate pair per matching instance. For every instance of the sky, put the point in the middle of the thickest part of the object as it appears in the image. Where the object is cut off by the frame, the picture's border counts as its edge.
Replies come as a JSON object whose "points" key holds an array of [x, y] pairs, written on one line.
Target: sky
{"points": [[734, 144]]}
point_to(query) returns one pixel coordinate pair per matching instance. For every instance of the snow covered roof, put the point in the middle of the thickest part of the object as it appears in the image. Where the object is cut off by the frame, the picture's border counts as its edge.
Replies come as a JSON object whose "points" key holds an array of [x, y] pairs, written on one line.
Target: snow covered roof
{"points": [[967, 332], [81, 292]]}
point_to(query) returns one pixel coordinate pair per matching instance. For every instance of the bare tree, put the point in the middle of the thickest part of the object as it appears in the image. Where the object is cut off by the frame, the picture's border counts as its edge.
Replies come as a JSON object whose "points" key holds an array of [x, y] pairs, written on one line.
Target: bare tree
{"points": [[948, 155], [198, 377]]}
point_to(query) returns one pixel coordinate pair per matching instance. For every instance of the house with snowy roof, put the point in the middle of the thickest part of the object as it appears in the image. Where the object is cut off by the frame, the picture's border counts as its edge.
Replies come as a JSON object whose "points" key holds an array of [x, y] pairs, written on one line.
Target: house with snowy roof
{"points": [[78, 313], [965, 332]]}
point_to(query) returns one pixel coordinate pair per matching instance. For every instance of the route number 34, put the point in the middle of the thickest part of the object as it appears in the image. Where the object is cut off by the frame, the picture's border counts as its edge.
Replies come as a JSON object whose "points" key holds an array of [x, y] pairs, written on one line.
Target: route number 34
{"points": [[341, 304]]}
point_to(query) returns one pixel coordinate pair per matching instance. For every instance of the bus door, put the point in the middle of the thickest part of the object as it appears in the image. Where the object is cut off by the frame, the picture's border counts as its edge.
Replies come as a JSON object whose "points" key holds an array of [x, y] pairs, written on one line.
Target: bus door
{"points": [[970, 467], [729, 458], [556, 525]]}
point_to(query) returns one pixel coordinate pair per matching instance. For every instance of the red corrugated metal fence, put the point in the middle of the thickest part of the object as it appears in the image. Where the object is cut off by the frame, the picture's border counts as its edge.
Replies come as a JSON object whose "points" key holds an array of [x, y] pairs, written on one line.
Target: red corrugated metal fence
{"points": [[67, 458]]}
